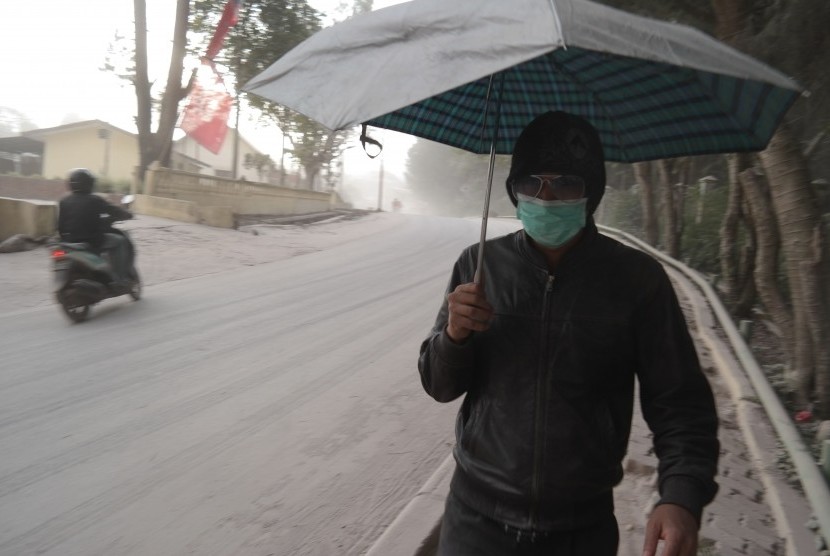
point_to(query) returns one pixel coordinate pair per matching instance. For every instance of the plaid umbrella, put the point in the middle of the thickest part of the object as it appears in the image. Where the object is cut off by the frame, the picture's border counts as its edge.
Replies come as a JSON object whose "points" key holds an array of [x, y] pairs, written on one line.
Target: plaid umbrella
{"points": [[652, 89], [642, 110], [427, 68]]}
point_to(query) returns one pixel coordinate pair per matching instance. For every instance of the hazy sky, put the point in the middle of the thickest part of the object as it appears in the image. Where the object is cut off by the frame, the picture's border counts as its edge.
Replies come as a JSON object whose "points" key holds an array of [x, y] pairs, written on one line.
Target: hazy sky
{"points": [[51, 52]]}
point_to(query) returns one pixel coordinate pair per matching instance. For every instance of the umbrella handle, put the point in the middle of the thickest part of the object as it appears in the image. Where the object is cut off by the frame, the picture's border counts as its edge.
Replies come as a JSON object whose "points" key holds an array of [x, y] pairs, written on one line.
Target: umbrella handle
{"points": [[478, 276]]}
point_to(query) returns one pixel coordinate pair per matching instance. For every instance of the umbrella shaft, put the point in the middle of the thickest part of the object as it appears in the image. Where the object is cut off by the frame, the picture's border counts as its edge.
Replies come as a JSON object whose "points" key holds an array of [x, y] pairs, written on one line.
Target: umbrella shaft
{"points": [[484, 216], [480, 262]]}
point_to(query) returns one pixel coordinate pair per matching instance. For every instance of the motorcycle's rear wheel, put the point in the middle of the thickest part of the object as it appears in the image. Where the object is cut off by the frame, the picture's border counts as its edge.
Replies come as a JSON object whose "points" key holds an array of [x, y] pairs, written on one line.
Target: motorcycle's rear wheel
{"points": [[76, 313]]}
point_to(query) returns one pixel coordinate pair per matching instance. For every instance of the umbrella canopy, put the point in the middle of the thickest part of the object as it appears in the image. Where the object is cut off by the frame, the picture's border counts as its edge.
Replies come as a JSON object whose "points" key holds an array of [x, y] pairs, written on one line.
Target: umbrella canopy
{"points": [[652, 89]]}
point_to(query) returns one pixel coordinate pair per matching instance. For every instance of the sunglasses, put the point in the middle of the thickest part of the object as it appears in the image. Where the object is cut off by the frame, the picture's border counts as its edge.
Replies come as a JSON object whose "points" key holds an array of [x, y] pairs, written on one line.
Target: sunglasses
{"points": [[562, 188]]}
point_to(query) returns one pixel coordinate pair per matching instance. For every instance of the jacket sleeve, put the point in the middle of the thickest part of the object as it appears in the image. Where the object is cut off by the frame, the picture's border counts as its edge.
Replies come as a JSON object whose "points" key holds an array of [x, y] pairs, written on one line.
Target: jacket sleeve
{"points": [[675, 397], [115, 212], [447, 367]]}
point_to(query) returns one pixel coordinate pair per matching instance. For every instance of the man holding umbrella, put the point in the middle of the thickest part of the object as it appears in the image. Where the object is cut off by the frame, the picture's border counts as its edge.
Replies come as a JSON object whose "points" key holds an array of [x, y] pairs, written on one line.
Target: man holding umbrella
{"points": [[546, 349]]}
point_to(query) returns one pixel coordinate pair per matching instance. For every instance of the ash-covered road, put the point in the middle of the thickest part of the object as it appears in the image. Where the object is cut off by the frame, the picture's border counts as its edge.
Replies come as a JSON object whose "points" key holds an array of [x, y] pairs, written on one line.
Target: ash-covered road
{"points": [[265, 409]]}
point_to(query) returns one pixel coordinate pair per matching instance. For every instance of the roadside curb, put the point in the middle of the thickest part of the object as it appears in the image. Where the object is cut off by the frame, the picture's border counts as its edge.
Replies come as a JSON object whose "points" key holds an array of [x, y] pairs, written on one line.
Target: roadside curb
{"points": [[791, 517], [414, 531]]}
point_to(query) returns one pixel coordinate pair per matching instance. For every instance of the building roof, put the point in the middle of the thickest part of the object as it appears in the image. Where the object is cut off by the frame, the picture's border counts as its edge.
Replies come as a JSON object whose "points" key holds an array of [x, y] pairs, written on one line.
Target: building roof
{"points": [[43, 132]]}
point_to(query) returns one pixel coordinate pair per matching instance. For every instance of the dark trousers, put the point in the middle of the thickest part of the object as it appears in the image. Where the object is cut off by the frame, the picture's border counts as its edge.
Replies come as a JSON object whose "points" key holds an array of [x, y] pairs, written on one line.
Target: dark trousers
{"points": [[465, 532]]}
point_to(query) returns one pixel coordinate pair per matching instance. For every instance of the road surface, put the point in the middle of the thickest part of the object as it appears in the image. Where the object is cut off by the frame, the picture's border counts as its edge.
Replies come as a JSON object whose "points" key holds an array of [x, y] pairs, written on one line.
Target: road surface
{"points": [[271, 409]]}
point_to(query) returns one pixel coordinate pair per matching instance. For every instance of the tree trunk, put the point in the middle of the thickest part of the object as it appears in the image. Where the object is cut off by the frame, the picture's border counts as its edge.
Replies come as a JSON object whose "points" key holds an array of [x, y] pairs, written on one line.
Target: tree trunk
{"points": [[174, 93], [731, 17], [682, 173], [817, 319], [642, 171], [142, 88], [748, 292], [157, 146], [671, 239], [804, 242], [736, 262], [796, 208], [766, 267]]}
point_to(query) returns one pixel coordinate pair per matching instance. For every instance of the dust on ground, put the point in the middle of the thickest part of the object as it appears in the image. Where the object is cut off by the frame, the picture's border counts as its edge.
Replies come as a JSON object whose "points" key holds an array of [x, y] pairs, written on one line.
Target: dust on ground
{"points": [[171, 250]]}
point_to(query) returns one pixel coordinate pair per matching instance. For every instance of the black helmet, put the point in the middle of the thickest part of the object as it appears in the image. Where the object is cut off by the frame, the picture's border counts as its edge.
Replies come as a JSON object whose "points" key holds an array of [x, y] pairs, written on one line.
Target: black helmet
{"points": [[81, 180]]}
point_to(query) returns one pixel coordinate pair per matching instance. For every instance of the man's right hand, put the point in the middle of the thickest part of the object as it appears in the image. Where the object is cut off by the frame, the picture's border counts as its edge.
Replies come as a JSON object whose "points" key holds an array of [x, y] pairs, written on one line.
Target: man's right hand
{"points": [[469, 311]]}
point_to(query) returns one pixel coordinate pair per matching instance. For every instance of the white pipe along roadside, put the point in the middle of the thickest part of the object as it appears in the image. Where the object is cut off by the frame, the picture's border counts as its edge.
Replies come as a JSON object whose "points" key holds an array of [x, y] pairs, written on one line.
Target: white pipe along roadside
{"points": [[809, 472]]}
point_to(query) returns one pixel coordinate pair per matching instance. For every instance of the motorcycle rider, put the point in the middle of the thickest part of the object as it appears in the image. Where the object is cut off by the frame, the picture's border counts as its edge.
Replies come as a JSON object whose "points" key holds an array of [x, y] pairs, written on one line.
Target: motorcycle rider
{"points": [[84, 217]]}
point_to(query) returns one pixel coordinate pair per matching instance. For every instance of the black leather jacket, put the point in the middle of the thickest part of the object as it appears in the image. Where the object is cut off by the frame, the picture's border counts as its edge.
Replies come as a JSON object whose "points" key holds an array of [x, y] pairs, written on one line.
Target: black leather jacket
{"points": [[86, 217], [544, 426]]}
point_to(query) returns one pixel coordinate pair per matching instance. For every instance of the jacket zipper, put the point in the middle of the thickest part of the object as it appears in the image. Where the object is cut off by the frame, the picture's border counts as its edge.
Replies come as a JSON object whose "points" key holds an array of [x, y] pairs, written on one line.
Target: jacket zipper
{"points": [[539, 413]]}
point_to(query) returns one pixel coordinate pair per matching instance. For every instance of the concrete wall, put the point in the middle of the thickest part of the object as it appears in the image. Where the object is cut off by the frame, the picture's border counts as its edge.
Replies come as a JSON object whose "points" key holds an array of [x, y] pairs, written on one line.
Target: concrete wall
{"points": [[32, 218], [242, 197], [20, 187], [184, 211], [181, 196]]}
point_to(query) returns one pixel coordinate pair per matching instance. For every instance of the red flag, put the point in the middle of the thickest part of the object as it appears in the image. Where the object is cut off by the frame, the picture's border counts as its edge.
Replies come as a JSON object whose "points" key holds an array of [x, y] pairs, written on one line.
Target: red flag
{"points": [[229, 18], [206, 116]]}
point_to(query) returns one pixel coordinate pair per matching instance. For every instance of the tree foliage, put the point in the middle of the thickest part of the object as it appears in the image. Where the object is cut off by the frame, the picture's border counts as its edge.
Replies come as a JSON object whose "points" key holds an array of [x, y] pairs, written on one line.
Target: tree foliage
{"points": [[259, 162], [265, 31], [13, 122], [154, 145], [790, 36]]}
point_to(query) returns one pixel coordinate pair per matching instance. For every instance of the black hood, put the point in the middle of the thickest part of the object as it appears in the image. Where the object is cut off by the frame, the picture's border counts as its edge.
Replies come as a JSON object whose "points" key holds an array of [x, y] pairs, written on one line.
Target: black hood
{"points": [[564, 143]]}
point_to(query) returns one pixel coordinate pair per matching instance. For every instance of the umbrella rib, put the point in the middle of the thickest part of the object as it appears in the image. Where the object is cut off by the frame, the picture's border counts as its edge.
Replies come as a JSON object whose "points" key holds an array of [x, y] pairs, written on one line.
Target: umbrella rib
{"points": [[487, 112], [558, 23]]}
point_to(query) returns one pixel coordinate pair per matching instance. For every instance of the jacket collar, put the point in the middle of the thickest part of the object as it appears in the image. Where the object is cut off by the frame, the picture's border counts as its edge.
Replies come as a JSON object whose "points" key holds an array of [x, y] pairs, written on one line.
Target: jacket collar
{"points": [[575, 256]]}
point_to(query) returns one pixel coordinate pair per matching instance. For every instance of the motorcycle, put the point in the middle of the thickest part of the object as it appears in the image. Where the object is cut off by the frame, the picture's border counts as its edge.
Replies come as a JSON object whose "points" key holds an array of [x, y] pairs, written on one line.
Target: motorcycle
{"points": [[84, 277]]}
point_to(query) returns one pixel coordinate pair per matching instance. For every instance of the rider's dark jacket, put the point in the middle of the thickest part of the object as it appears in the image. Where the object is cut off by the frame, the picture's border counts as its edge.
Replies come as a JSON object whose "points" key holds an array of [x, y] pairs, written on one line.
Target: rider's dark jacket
{"points": [[86, 217], [544, 426]]}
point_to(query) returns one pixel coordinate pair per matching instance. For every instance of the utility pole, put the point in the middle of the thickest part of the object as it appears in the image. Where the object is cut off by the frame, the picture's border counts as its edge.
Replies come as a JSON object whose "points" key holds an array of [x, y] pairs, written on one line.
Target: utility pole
{"points": [[236, 140], [105, 135], [380, 185], [282, 160]]}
